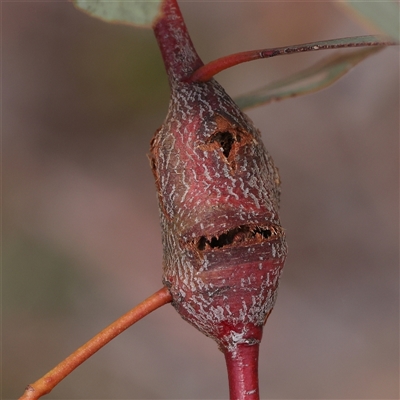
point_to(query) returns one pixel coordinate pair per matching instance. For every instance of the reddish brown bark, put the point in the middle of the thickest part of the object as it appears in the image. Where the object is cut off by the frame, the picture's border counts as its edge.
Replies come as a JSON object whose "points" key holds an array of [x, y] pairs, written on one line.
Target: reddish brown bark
{"points": [[179, 55], [218, 193], [242, 365]]}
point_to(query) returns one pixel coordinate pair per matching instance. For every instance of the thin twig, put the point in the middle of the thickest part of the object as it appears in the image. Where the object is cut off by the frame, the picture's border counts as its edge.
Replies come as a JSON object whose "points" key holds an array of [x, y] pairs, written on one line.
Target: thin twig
{"points": [[207, 71], [45, 384]]}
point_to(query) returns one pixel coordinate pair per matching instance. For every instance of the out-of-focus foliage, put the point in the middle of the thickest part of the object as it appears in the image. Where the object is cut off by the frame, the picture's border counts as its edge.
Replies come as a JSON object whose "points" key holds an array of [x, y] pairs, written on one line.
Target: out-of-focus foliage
{"points": [[310, 80], [384, 15], [139, 13], [81, 100]]}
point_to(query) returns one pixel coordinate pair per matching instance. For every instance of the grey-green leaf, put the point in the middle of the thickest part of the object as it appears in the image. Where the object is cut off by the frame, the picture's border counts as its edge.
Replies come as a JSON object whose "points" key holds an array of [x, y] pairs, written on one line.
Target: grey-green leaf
{"points": [[310, 80], [384, 15], [140, 13]]}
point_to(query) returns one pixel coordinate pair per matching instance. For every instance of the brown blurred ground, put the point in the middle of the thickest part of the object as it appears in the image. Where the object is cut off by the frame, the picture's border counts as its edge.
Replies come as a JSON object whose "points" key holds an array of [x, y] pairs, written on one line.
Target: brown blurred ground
{"points": [[81, 241]]}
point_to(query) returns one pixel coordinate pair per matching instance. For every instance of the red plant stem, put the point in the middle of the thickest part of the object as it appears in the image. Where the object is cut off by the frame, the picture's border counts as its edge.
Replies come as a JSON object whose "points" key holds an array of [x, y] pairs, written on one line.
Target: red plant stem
{"points": [[242, 364], [207, 71], [45, 384], [177, 50]]}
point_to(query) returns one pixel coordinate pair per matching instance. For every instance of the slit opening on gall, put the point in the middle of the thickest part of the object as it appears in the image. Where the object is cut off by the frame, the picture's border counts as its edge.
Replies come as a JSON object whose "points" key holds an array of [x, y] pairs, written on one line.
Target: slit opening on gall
{"points": [[238, 235]]}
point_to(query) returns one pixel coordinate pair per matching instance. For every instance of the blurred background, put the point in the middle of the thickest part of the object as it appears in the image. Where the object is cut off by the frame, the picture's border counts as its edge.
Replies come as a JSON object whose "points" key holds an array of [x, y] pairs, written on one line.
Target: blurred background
{"points": [[81, 237]]}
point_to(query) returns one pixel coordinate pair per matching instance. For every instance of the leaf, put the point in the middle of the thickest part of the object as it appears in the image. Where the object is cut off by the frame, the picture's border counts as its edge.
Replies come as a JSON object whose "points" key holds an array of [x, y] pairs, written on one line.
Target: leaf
{"points": [[312, 79], [207, 71], [384, 15], [140, 13]]}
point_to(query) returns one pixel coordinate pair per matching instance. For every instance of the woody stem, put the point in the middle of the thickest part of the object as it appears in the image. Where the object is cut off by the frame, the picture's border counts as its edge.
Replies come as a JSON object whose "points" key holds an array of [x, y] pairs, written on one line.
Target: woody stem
{"points": [[242, 364], [177, 50]]}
